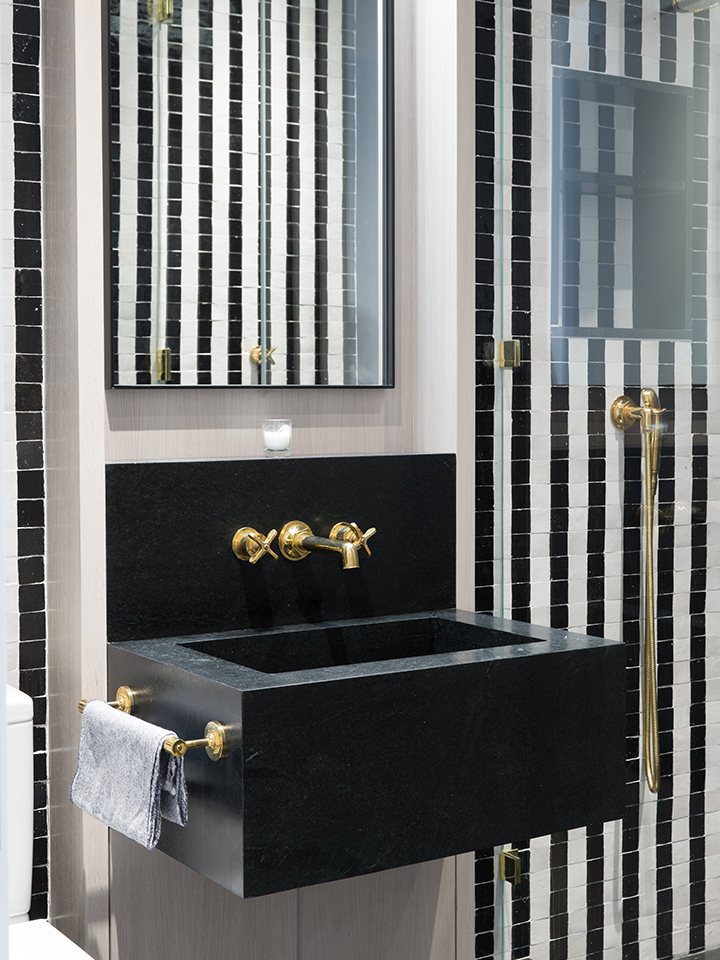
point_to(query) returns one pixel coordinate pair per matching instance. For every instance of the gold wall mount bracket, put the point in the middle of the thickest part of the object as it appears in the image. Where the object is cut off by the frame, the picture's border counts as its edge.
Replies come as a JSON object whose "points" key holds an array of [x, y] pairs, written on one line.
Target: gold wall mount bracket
{"points": [[510, 866], [509, 353], [125, 700], [160, 10], [215, 742], [164, 365], [623, 413]]}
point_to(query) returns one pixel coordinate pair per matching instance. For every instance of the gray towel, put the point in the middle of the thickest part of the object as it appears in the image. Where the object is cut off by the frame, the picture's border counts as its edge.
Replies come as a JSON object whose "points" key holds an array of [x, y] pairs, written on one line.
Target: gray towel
{"points": [[124, 777]]}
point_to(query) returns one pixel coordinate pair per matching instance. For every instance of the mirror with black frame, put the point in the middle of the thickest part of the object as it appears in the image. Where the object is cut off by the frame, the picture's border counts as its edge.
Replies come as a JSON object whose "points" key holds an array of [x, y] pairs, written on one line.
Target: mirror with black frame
{"points": [[250, 189]]}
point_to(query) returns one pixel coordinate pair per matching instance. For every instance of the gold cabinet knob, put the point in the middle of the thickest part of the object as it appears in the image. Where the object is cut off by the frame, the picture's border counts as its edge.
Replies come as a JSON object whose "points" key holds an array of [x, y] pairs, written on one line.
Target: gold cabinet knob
{"points": [[250, 545], [352, 532]]}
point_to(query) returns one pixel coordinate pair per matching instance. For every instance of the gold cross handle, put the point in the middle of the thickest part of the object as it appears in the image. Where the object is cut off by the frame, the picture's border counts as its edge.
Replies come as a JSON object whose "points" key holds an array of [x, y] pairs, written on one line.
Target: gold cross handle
{"points": [[256, 355], [352, 532], [250, 545]]}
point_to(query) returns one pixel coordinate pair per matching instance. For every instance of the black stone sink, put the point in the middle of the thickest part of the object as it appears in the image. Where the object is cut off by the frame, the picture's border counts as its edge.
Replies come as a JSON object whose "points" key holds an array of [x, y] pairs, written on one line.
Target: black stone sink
{"points": [[351, 642], [365, 745]]}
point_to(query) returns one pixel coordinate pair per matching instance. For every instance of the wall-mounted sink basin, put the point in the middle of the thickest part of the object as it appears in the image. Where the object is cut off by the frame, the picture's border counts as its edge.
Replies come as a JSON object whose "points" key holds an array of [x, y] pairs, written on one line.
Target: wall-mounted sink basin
{"points": [[352, 642], [365, 745]]}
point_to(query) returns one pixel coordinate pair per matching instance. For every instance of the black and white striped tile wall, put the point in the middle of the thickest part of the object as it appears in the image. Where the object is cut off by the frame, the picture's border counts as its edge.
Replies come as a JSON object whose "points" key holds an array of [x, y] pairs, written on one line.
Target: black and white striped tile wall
{"points": [[196, 106], [568, 513], [23, 423]]}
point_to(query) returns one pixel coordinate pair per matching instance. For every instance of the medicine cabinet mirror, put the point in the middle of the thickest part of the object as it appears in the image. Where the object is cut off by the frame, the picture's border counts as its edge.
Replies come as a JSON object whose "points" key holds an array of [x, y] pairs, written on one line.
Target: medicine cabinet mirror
{"points": [[622, 208], [250, 185]]}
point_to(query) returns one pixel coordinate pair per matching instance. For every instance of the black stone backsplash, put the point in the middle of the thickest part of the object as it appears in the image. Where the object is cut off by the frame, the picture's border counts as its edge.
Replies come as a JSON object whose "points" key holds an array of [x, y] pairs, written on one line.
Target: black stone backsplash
{"points": [[171, 570]]}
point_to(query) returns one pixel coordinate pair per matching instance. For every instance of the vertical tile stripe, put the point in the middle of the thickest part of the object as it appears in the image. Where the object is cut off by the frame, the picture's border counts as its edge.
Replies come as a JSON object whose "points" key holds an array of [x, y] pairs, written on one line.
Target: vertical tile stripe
{"points": [[293, 243], [559, 505], [485, 394], [236, 200], [484, 904], [597, 517], [349, 106], [520, 280], [668, 44], [597, 36], [321, 192], [595, 875], [520, 912], [698, 685], [633, 40], [25, 544], [222, 279], [206, 192], [175, 260], [666, 589], [559, 896]]}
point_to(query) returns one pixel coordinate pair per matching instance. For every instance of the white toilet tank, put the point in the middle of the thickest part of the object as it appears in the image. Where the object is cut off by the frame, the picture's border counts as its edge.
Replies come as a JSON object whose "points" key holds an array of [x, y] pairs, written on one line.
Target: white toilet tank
{"points": [[19, 708]]}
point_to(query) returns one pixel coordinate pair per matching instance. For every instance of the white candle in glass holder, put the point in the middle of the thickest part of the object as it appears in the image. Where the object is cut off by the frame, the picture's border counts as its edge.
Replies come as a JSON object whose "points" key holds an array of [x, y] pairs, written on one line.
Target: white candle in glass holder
{"points": [[277, 434]]}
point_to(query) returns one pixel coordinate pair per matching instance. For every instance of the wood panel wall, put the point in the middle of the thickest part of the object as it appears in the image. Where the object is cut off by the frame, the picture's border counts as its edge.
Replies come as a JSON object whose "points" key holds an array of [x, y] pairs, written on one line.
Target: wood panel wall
{"points": [[75, 548], [407, 914], [165, 911]]}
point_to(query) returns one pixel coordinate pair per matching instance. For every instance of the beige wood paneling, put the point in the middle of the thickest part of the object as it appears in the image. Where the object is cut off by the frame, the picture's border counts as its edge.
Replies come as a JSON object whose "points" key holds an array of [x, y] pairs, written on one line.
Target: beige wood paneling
{"points": [[465, 304], [74, 300], [465, 906], [434, 85], [404, 914], [151, 424], [162, 910], [466, 352]]}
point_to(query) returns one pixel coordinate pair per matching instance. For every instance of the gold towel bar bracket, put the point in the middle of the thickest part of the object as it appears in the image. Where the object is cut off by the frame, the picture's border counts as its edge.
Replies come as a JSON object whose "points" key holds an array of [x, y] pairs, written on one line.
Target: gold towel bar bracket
{"points": [[215, 740]]}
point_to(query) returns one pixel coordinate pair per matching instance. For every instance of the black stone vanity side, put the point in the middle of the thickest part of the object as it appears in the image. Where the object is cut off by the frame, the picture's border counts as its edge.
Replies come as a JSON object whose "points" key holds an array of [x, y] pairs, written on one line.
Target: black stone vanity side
{"points": [[342, 771], [170, 566]]}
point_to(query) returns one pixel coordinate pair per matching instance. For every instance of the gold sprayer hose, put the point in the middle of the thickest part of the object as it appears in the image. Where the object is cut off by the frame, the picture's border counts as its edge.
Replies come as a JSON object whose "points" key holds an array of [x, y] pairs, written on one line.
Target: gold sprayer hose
{"points": [[623, 414], [651, 736]]}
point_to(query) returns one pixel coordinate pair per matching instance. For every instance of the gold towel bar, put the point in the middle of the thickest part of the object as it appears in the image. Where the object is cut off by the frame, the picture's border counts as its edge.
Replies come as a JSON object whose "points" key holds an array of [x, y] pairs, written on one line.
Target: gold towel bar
{"points": [[215, 740]]}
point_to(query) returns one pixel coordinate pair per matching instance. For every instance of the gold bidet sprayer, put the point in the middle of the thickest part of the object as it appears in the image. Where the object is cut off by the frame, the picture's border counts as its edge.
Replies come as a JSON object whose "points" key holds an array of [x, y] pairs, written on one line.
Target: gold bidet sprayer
{"points": [[624, 413]]}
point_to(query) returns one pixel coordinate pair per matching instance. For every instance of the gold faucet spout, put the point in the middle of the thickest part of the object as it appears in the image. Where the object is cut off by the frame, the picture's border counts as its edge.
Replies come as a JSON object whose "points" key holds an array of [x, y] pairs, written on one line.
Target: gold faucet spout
{"points": [[297, 541], [344, 547]]}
